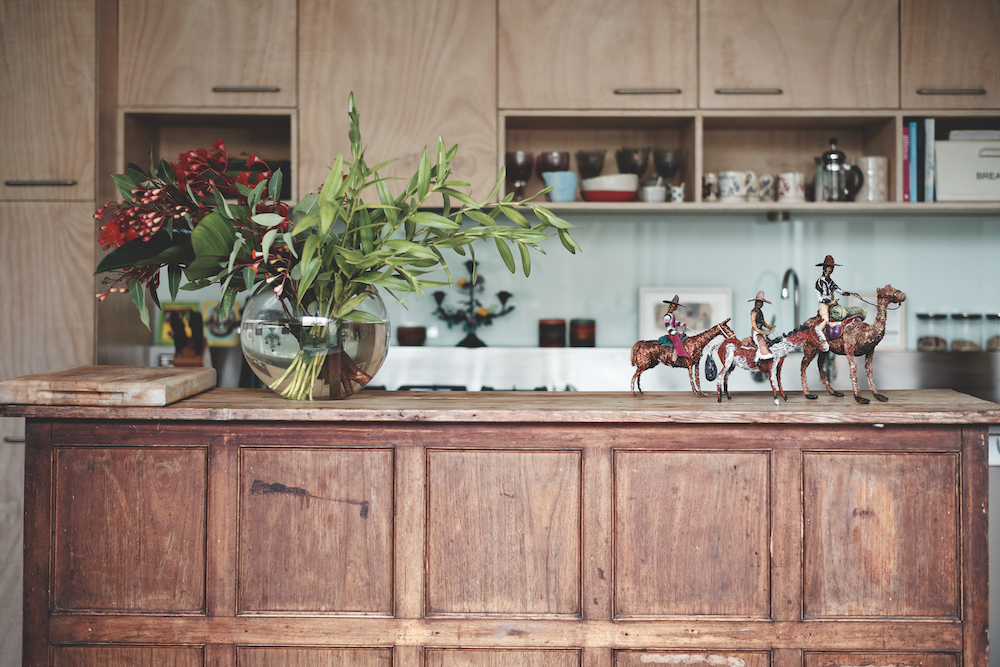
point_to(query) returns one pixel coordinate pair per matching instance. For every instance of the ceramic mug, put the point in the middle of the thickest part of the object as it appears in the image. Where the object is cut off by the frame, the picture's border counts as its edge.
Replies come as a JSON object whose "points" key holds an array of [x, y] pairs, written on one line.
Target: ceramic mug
{"points": [[677, 193], [736, 185], [791, 186], [875, 169], [765, 187], [563, 184], [710, 187], [654, 193]]}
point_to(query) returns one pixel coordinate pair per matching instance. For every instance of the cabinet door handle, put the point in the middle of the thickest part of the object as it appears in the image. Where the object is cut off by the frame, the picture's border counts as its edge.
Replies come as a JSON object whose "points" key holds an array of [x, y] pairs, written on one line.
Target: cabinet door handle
{"points": [[749, 91], [246, 89], [951, 91], [40, 183], [648, 91], [989, 152], [13, 438]]}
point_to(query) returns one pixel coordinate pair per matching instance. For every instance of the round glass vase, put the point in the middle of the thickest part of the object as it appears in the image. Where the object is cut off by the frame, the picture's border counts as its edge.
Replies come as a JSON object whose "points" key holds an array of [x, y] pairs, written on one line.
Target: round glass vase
{"points": [[304, 356]]}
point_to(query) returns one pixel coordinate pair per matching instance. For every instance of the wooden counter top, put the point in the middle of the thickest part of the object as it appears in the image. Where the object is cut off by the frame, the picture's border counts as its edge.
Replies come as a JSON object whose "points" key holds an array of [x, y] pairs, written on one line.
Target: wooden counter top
{"points": [[929, 406]]}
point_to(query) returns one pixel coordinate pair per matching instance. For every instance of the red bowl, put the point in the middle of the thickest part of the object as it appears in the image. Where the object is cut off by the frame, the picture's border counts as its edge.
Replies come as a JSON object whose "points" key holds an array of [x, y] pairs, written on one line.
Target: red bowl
{"points": [[608, 195]]}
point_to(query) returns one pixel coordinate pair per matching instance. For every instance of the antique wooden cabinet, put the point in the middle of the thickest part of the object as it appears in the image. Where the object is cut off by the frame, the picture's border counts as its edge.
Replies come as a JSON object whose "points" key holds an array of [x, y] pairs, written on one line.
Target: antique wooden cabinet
{"points": [[502, 529]]}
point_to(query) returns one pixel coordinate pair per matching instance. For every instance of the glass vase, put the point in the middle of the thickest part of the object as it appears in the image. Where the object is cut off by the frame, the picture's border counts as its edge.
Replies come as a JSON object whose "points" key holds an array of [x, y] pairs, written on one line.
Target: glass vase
{"points": [[303, 356]]}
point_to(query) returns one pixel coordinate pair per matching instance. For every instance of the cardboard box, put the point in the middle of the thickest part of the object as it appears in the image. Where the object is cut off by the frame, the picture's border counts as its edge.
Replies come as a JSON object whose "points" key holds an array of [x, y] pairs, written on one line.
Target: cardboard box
{"points": [[967, 170]]}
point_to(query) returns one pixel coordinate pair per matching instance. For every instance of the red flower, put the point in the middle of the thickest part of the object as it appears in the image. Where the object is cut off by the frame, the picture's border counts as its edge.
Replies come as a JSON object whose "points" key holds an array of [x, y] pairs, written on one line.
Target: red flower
{"points": [[204, 170]]}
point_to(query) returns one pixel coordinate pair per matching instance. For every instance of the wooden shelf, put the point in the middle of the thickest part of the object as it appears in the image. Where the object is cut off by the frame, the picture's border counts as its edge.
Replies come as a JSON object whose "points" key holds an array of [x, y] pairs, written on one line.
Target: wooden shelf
{"points": [[798, 209]]}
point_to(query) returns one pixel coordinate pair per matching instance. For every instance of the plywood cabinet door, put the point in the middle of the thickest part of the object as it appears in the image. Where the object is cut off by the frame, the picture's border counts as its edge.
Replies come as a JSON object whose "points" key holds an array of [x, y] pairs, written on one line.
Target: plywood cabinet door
{"points": [[796, 54], [190, 53], [419, 70], [593, 54], [46, 288], [47, 99], [949, 54]]}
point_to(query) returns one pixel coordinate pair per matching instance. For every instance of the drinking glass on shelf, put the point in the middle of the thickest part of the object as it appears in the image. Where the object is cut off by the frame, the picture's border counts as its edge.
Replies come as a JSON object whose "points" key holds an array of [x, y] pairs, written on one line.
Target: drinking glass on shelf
{"points": [[518, 164], [667, 162]]}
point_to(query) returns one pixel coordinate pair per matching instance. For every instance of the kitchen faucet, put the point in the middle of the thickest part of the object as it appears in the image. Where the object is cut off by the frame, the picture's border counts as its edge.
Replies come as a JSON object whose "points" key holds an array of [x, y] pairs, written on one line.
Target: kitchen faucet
{"points": [[790, 273]]}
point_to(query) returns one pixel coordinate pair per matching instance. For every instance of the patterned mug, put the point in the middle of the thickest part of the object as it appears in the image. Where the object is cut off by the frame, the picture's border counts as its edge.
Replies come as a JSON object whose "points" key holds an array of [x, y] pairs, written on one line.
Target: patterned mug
{"points": [[765, 187], [735, 185], [791, 186]]}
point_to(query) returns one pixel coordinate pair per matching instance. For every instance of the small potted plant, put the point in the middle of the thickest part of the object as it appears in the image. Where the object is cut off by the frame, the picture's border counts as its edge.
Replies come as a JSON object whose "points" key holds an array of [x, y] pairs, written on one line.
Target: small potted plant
{"points": [[314, 326]]}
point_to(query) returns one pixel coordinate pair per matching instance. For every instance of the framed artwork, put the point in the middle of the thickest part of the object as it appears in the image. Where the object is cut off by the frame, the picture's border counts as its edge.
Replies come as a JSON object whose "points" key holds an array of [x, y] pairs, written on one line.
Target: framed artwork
{"points": [[701, 308], [164, 336], [221, 332], [895, 320]]}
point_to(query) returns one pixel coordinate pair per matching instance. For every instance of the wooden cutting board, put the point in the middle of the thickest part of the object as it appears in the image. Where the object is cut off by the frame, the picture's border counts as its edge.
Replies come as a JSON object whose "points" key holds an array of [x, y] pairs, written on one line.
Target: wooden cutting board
{"points": [[108, 385]]}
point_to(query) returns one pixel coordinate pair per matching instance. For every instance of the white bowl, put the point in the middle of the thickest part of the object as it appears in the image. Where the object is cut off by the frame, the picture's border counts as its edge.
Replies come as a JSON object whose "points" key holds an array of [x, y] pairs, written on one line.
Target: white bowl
{"points": [[611, 182]]}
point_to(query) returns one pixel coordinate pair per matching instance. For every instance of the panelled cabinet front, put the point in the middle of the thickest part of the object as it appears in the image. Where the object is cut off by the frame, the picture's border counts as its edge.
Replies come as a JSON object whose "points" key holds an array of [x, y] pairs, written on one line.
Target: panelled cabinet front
{"points": [[493, 546]]}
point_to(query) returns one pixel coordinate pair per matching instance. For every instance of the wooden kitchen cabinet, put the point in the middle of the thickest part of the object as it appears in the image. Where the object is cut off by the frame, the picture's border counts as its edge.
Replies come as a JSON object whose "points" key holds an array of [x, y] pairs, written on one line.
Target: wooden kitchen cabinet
{"points": [[592, 54], [949, 54], [46, 286], [419, 70], [502, 529], [47, 100], [796, 54], [190, 53]]}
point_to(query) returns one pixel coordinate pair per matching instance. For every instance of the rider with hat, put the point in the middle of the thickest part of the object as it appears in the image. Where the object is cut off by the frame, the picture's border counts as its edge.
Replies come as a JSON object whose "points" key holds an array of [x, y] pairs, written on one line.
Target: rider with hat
{"points": [[674, 327], [760, 327], [826, 291]]}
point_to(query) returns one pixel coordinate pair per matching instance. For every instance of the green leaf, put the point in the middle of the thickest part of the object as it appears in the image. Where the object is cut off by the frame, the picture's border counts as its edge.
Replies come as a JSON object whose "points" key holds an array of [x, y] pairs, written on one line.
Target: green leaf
{"points": [[125, 186], [248, 277], [391, 212], [350, 304], [165, 171], [434, 220], [568, 241], [481, 218], [274, 187], [525, 258], [159, 249], [309, 274], [514, 216], [423, 175], [305, 224], [173, 280], [410, 248], [267, 219], [137, 291], [505, 253], [265, 243], [226, 304]]}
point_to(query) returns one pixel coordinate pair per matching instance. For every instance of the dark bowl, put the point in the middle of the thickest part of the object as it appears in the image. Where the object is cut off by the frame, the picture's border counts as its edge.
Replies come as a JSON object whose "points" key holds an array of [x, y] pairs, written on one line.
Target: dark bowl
{"points": [[632, 160], [590, 163], [667, 161], [552, 161]]}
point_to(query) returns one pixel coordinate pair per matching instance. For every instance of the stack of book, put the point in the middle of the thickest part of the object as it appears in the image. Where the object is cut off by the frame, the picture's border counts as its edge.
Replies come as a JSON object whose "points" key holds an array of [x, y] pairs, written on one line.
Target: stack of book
{"points": [[919, 161]]}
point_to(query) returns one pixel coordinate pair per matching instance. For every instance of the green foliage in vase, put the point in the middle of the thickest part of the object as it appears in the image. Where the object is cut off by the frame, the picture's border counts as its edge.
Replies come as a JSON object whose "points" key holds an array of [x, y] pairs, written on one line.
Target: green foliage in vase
{"points": [[322, 252]]}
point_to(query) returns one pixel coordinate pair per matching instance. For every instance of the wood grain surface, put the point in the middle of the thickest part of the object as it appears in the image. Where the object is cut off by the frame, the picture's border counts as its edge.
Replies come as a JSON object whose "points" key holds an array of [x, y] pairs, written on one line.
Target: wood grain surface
{"points": [[107, 385], [922, 406]]}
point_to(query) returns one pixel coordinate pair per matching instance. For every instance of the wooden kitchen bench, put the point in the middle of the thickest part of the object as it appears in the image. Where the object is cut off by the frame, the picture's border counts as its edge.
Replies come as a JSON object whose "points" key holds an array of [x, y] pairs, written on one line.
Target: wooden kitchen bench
{"points": [[510, 528]]}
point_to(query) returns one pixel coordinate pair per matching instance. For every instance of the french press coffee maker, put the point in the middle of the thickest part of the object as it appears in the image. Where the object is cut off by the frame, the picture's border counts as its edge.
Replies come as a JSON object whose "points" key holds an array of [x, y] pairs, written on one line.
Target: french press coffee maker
{"points": [[836, 182]]}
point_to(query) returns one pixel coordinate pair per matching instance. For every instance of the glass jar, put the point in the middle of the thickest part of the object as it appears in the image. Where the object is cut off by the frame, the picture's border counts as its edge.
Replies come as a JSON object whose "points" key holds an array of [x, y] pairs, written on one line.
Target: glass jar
{"points": [[932, 332], [992, 334], [966, 332]]}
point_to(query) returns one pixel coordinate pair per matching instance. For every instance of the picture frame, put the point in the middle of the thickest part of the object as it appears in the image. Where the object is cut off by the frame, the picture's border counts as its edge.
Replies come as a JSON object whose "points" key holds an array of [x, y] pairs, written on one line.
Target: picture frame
{"points": [[164, 336], [701, 308], [895, 320]]}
